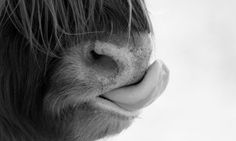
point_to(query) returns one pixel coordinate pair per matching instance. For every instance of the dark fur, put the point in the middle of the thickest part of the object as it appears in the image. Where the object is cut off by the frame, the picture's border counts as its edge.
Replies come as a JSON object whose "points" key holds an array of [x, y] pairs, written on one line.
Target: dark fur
{"points": [[34, 34]]}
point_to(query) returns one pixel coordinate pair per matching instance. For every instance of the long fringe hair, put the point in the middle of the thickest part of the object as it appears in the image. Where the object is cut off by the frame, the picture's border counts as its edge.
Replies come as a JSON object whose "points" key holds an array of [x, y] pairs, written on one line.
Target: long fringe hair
{"points": [[46, 23]]}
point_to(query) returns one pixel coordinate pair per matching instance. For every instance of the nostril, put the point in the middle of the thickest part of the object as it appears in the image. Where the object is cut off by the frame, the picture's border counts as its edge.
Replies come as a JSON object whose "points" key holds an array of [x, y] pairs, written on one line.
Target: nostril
{"points": [[103, 64], [94, 55]]}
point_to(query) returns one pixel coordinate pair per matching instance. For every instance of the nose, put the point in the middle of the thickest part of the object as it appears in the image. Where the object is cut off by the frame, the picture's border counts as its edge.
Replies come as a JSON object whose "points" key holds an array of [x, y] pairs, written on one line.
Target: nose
{"points": [[120, 64]]}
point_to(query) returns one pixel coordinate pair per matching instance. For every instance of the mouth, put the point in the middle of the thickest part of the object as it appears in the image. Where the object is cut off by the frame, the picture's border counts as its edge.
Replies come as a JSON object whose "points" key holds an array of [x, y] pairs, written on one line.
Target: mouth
{"points": [[129, 100], [110, 105]]}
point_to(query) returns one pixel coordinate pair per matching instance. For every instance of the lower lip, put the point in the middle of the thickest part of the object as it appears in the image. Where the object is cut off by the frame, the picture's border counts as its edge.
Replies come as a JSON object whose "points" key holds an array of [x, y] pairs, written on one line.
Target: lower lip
{"points": [[113, 107]]}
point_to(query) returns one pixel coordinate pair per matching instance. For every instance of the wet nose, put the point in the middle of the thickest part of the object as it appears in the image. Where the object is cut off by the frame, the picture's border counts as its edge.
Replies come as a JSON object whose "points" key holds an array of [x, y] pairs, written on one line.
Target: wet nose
{"points": [[116, 65]]}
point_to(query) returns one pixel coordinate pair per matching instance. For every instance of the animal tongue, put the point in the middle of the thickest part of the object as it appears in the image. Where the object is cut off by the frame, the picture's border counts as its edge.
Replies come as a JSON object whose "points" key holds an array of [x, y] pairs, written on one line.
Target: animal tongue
{"points": [[137, 96]]}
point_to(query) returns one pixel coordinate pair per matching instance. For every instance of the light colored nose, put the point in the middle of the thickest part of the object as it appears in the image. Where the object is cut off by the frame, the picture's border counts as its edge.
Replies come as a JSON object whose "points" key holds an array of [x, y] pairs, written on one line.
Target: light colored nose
{"points": [[118, 64]]}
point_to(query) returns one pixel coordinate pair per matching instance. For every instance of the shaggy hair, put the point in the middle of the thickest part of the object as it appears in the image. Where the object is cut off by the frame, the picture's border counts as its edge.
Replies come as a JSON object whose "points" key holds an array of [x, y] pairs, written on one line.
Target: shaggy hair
{"points": [[33, 36]]}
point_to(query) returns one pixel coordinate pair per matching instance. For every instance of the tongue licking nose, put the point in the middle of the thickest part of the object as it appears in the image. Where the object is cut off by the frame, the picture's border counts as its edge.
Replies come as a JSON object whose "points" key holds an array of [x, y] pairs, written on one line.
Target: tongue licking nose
{"points": [[132, 63], [138, 96]]}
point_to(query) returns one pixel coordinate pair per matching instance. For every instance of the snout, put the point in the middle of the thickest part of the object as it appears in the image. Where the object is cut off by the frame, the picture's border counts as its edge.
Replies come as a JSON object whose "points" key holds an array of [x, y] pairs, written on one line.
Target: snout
{"points": [[120, 64]]}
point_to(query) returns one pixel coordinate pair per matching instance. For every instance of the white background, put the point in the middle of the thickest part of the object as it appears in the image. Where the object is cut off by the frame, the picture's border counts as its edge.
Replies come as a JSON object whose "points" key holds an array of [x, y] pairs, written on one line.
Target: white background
{"points": [[197, 41]]}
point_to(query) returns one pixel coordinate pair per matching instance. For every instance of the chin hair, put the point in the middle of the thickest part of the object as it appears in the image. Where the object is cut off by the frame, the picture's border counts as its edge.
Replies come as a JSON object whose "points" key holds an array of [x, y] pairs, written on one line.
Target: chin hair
{"points": [[86, 122]]}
